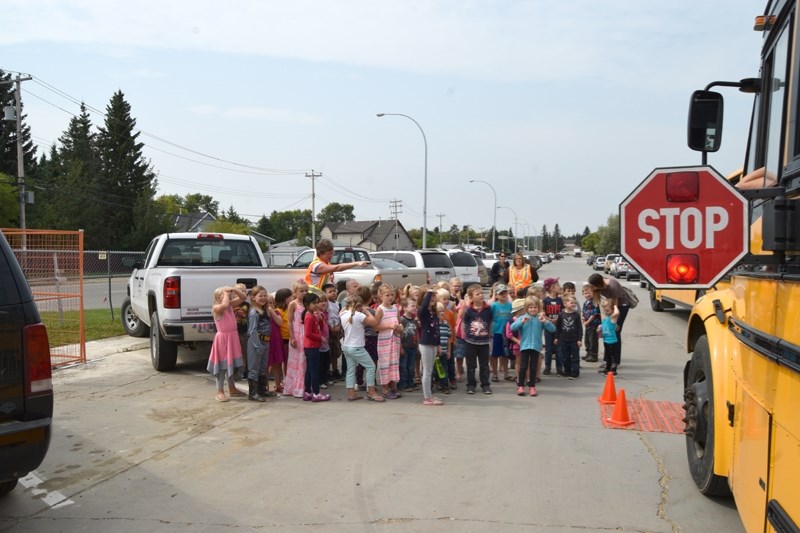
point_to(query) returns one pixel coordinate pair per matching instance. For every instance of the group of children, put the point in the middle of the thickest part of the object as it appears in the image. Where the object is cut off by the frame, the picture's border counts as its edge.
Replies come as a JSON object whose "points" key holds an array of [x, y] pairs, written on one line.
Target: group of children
{"points": [[404, 339]]}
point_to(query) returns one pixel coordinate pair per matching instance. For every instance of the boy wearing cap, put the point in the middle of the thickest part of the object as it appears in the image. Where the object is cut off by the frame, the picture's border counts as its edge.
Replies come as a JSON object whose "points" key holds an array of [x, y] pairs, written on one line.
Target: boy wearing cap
{"points": [[553, 305], [501, 314]]}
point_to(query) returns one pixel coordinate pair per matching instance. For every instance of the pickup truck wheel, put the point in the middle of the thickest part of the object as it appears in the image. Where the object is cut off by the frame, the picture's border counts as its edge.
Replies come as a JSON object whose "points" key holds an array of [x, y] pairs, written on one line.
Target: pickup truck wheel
{"points": [[163, 353], [7, 486], [133, 326], [655, 305], [699, 429]]}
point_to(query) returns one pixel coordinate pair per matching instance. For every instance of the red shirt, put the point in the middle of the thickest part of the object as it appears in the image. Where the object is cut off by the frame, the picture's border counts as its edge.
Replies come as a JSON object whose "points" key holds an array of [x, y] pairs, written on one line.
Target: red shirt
{"points": [[312, 337]]}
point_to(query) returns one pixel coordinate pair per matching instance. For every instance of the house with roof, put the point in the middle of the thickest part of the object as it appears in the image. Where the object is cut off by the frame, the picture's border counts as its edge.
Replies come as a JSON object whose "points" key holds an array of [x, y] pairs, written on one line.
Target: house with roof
{"points": [[193, 222], [374, 235]]}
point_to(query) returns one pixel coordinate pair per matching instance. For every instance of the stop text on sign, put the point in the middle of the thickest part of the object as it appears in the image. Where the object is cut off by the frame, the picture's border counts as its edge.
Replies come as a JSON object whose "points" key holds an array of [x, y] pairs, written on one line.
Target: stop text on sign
{"points": [[693, 227]]}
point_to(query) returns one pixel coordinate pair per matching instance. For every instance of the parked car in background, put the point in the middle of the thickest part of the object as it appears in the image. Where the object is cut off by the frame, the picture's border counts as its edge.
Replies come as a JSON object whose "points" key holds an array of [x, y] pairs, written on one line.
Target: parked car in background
{"points": [[26, 389], [483, 273], [534, 260], [600, 262], [619, 268], [436, 262], [632, 273], [372, 273], [545, 258], [465, 265], [610, 258]]}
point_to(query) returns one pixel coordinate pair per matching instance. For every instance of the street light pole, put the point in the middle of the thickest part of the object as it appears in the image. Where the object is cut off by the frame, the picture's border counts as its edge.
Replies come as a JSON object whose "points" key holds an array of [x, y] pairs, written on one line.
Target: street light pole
{"points": [[494, 218], [425, 186], [516, 224], [17, 112]]}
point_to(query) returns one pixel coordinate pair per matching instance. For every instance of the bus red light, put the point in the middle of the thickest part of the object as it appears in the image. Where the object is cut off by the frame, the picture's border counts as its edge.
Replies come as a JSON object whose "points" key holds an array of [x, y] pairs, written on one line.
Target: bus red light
{"points": [[683, 187], [683, 268]]}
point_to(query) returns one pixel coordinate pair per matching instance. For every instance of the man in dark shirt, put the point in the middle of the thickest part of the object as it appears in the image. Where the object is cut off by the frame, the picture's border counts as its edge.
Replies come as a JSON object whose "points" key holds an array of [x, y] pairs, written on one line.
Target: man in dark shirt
{"points": [[499, 270]]}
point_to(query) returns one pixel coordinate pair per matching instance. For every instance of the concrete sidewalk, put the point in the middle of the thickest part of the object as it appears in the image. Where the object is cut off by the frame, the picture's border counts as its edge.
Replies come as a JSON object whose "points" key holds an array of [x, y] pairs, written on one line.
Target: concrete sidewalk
{"points": [[124, 343]]}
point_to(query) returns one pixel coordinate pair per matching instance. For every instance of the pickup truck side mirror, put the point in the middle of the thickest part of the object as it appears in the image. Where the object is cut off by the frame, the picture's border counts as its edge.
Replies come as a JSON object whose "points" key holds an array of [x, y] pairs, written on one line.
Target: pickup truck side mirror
{"points": [[130, 262]]}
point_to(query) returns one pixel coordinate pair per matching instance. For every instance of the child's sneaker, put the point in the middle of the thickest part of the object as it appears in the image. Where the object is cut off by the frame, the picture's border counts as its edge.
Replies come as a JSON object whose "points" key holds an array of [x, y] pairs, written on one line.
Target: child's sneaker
{"points": [[614, 370], [532, 392], [320, 397], [307, 396], [432, 401], [546, 371], [520, 391]]}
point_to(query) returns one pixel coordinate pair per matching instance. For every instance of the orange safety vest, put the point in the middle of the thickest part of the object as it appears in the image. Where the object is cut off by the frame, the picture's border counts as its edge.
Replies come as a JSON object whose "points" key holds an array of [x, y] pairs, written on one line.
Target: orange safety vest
{"points": [[515, 280], [314, 280]]}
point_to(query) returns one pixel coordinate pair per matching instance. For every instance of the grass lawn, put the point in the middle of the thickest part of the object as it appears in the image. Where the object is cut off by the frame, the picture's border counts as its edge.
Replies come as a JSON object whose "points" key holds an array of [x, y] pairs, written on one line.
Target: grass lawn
{"points": [[63, 329]]}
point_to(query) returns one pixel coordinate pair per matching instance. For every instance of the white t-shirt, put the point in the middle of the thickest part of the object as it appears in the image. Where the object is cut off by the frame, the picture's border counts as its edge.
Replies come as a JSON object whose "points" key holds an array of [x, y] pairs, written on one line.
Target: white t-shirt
{"points": [[353, 333]]}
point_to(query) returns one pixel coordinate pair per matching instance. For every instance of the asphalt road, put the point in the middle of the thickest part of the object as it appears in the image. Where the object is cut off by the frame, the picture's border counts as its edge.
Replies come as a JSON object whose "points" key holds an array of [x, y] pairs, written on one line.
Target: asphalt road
{"points": [[137, 450]]}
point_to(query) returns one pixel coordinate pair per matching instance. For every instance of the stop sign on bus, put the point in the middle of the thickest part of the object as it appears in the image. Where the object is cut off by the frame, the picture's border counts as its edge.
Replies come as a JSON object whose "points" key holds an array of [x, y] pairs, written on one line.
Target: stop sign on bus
{"points": [[684, 227]]}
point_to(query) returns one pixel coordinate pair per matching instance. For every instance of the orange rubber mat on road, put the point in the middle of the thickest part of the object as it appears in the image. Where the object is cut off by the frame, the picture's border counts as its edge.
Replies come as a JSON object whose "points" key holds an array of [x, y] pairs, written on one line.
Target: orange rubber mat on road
{"points": [[648, 415]]}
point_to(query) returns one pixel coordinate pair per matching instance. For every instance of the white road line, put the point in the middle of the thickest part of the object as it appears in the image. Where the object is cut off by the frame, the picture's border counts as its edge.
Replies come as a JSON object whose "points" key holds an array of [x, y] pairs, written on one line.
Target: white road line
{"points": [[53, 499]]}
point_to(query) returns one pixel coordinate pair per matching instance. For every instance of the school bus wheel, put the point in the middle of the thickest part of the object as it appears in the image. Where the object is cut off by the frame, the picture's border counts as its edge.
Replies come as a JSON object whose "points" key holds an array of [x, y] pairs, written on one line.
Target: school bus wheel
{"points": [[699, 406]]}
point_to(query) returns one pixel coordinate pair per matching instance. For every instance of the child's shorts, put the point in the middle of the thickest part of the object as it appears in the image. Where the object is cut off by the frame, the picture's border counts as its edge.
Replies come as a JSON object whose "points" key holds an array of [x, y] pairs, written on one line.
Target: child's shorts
{"points": [[460, 349], [498, 345]]}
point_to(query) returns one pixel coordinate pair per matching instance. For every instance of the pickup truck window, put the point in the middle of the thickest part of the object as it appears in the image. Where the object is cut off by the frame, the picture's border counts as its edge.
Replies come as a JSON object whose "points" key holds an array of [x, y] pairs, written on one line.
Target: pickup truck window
{"points": [[208, 252]]}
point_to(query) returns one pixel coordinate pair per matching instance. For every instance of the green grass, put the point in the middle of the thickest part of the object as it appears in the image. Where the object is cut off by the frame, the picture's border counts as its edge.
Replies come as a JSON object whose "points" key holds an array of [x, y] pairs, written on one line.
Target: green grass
{"points": [[63, 329]]}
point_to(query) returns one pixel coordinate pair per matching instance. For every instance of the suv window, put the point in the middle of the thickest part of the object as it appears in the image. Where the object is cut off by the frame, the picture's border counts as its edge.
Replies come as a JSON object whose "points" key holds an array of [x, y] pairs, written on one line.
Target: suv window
{"points": [[339, 256], [463, 259], [436, 260], [406, 259]]}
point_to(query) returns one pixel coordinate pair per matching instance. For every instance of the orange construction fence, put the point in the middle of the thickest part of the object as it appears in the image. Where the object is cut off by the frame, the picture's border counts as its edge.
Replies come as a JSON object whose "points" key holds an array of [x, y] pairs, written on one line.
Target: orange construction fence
{"points": [[53, 264]]}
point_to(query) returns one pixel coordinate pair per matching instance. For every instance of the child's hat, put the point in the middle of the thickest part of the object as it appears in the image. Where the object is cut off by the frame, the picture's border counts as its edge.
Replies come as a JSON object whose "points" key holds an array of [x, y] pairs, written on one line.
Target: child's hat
{"points": [[500, 287], [517, 305], [549, 282]]}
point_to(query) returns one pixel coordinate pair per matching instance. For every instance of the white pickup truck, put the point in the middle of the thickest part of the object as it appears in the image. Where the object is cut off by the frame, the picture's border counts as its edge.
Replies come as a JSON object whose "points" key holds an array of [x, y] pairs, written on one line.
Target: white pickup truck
{"points": [[170, 294]]}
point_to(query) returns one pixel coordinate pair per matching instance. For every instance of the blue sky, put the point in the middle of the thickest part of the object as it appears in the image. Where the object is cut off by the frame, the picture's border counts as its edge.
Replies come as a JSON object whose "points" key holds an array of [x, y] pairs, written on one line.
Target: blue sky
{"points": [[563, 107]]}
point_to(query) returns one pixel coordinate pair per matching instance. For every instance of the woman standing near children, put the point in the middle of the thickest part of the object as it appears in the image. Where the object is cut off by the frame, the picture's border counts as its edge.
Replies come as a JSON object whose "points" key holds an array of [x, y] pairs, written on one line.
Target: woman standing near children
{"points": [[226, 351], [294, 382], [611, 288], [312, 341], [520, 274], [428, 343], [389, 330], [353, 321], [530, 325]]}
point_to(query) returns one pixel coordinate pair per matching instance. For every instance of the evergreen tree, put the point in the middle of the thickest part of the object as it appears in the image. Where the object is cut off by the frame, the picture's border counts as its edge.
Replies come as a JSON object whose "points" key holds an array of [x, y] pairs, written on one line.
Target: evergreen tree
{"points": [[8, 134], [69, 195], [125, 177]]}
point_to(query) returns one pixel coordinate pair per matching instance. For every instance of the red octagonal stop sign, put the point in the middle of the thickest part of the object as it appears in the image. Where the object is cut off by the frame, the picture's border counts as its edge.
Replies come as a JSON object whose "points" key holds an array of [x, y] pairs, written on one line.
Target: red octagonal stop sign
{"points": [[684, 227]]}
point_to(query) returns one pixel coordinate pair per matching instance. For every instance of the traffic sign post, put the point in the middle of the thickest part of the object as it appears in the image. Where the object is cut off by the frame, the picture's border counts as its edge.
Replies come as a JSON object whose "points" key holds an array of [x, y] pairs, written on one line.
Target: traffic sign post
{"points": [[684, 227]]}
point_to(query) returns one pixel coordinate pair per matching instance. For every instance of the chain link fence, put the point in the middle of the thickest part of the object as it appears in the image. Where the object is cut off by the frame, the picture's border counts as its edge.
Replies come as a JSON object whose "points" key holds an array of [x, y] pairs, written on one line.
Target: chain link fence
{"points": [[105, 280]]}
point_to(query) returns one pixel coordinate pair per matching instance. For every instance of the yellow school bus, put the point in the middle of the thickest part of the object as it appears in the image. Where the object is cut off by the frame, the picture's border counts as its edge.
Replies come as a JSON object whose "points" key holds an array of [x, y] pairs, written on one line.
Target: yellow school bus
{"points": [[742, 381]]}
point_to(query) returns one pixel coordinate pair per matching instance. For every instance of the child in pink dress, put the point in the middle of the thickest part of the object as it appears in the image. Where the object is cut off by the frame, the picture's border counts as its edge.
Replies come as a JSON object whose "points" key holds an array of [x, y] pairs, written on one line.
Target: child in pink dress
{"points": [[389, 330], [294, 381], [226, 350]]}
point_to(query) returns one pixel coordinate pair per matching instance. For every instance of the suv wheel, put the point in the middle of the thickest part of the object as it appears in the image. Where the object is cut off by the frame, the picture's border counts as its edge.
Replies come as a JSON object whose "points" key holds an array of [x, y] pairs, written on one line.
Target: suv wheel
{"points": [[7, 486]]}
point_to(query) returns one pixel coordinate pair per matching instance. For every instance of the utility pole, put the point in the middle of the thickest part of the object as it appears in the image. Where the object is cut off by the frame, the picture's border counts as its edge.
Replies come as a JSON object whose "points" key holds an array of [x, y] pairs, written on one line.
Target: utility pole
{"points": [[395, 206], [313, 206], [441, 216], [20, 153]]}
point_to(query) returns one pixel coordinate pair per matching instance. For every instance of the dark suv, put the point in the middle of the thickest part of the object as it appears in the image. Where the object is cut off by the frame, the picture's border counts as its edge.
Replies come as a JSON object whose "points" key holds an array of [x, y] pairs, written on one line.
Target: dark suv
{"points": [[26, 390]]}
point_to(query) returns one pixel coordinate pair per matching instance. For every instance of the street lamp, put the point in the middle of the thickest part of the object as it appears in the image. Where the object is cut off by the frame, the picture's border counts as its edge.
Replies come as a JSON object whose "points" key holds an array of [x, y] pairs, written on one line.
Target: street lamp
{"points": [[494, 219], [516, 226], [527, 233], [425, 187]]}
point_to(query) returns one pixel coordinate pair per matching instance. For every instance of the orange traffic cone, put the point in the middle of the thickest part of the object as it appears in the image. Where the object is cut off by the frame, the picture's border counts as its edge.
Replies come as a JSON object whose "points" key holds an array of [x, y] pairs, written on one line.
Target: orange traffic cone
{"points": [[620, 414], [609, 396]]}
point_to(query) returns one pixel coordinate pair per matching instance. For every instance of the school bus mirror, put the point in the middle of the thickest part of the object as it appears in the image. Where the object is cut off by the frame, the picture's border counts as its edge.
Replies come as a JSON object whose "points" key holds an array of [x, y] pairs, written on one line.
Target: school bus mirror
{"points": [[704, 132]]}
